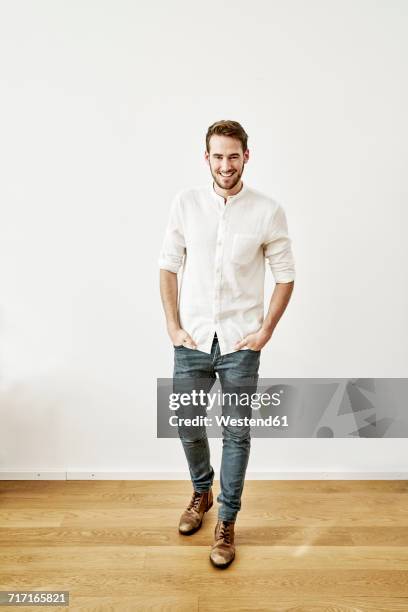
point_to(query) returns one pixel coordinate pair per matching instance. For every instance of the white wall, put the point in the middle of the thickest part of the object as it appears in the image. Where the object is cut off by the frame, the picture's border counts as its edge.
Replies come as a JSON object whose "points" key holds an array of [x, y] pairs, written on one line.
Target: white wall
{"points": [[104, 108]]}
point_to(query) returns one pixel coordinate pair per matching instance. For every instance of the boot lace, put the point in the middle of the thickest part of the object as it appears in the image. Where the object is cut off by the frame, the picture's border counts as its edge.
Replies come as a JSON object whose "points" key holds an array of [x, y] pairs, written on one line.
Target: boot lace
{"points": [[224, 532], [195, 501]]}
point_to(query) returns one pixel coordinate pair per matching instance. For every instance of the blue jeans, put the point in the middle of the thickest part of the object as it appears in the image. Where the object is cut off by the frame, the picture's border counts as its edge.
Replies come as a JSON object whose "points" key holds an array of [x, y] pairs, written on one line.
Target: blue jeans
{"points": [[232, 369]]}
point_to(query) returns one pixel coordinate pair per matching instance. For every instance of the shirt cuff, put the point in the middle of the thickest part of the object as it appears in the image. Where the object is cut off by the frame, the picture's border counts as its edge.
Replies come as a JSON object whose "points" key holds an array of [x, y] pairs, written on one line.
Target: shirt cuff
{"points": [[284, 279], [285, 275], [171, 264]]}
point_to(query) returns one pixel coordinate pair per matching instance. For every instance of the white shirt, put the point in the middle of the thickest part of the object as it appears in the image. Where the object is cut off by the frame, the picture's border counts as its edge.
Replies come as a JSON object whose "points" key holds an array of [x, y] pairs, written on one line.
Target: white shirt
{"points": [[222, 248]]}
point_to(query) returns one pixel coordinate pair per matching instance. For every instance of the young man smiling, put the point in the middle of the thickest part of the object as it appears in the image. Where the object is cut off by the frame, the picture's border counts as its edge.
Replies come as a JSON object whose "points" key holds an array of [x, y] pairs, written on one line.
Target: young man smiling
{"points": [[222, 234]]}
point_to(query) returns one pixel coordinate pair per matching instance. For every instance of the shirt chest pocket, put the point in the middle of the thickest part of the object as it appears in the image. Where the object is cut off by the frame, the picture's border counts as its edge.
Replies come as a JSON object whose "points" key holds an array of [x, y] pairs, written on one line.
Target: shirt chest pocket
{"points": [[244, 248]]}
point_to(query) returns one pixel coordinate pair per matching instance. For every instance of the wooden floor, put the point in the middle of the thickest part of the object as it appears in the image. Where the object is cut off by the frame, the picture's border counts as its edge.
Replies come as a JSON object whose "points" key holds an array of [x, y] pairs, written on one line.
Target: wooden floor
{"points": [[301, 545]]}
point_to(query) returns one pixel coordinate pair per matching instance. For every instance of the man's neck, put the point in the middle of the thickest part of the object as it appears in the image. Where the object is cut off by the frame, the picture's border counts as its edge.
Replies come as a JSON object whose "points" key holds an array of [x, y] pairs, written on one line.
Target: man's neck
{"points": [[225, 193]]}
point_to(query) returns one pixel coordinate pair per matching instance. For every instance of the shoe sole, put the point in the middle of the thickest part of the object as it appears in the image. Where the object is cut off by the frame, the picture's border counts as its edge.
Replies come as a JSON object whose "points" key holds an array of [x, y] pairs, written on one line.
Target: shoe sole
{"points": [[187, 533]]}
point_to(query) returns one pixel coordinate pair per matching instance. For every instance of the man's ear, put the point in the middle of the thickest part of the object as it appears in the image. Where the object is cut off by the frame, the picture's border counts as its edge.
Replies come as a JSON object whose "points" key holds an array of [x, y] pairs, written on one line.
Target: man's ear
{"points": [[206, 156], [246, 156]]}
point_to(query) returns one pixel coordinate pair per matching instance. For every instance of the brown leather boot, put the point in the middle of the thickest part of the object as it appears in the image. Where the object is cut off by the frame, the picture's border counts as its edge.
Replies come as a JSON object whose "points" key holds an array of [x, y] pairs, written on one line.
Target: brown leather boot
{"points": [[223, 550], [192, 517]]}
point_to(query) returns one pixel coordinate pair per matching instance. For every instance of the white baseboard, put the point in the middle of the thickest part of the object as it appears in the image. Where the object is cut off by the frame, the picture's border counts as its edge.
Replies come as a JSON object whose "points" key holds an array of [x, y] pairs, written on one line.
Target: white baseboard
{"points": [[86, 475], [29, 475]]}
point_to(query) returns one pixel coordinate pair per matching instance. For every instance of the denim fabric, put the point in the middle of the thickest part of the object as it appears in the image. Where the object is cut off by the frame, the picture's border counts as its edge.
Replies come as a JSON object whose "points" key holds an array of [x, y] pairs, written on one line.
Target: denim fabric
{"points": [[233, 368]]}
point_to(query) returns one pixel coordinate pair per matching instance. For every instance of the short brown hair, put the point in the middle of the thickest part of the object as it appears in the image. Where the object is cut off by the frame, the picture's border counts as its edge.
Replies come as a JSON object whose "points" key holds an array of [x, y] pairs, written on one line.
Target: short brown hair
{"points": [[227, 128]]}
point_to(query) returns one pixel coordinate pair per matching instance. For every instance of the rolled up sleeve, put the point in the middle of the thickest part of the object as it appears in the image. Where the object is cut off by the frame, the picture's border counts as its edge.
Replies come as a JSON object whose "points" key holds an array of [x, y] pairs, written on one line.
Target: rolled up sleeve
{"points": [[174, 246], [278, 250]]}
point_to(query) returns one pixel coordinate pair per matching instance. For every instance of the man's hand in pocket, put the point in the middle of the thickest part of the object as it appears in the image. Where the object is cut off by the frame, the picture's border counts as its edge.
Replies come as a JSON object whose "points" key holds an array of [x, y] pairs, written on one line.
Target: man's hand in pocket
{"points": [[180, 337], [255, 341]]}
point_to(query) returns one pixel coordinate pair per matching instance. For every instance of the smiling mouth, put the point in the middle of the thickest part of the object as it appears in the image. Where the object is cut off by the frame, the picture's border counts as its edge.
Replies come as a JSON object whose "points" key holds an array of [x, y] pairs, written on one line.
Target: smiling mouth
{"points": [[227, 175]]}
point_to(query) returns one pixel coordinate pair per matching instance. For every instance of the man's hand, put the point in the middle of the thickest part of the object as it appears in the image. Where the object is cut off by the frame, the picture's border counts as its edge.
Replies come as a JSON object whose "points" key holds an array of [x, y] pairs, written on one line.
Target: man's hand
{"points": [[180, 337], [255, 341]]}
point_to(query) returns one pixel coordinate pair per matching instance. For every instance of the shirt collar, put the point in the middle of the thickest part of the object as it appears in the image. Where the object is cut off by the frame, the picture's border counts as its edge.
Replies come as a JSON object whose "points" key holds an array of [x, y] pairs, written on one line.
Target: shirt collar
{"points": [[220, 199]]}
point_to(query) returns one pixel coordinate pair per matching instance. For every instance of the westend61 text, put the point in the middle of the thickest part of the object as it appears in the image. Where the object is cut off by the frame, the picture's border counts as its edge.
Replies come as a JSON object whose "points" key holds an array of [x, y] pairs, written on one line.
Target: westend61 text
{"points": [[228, 421]]}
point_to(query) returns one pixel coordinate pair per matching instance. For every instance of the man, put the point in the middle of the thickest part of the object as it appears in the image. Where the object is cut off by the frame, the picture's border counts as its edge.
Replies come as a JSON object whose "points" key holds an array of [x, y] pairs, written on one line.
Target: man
{"points": [[221, 234]]}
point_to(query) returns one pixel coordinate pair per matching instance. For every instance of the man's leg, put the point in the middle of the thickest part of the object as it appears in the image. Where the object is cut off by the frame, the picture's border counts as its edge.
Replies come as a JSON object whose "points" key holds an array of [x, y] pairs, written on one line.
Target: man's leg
{"points": [[193, 370], [239, 377]]}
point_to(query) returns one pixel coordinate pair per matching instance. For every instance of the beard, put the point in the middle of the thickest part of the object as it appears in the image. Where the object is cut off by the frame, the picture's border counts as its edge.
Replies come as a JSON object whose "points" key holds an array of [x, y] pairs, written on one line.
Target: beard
{"points": [[231, 182]]}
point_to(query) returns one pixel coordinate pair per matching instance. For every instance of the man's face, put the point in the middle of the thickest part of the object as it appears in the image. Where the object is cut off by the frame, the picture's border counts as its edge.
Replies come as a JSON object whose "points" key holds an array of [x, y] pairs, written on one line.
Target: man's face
{"points": [[226, 160]]}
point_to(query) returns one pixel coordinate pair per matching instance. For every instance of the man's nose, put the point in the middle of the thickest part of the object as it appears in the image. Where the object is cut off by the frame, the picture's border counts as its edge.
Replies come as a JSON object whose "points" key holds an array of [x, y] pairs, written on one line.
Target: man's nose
{"points": [[225, 165]]}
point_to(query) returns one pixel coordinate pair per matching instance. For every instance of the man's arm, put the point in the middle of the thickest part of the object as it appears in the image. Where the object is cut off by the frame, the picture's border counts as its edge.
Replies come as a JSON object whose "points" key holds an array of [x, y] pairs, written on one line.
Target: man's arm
{"points": [[169, 293], [277, 306], [278, 253]]}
